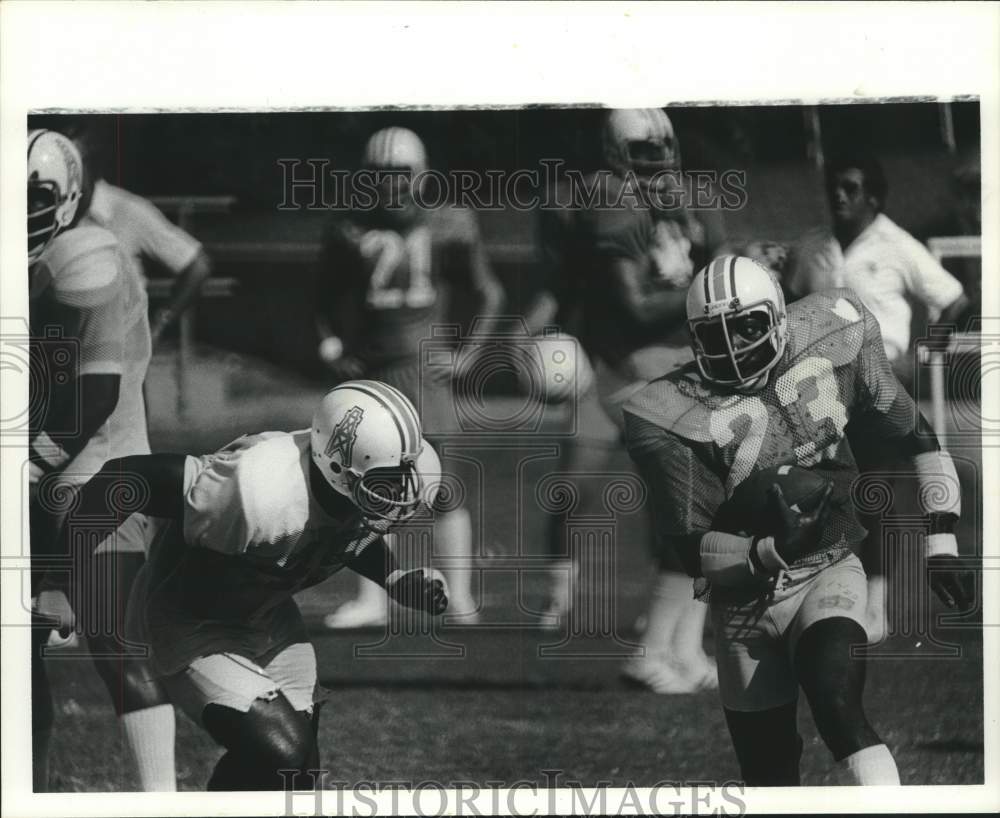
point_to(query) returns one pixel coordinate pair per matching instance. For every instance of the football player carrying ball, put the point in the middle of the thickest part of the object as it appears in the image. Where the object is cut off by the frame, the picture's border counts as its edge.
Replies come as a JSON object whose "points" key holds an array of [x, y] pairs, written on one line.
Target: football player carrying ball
{"points": [[774, 386]]}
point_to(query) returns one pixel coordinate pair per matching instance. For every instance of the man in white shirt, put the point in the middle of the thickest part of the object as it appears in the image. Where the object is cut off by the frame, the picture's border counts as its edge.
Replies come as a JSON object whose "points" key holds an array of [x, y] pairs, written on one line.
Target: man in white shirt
{"points": [[149, 237], [865, 251]]}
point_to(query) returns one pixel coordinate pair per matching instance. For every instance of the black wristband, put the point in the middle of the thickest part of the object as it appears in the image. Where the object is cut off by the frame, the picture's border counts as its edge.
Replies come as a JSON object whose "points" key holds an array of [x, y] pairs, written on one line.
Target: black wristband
{"points": [[941, 522]]}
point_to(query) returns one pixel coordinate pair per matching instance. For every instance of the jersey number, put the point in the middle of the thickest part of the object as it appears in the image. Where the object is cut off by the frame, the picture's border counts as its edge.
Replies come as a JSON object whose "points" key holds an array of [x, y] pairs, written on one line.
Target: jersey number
{"points": [[826, 405], [385, 251]]}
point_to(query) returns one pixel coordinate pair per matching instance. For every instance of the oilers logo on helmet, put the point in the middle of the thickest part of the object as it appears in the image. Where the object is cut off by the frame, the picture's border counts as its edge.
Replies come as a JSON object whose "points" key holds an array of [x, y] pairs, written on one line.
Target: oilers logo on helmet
{"points": [[344, 434], [366, 439]]}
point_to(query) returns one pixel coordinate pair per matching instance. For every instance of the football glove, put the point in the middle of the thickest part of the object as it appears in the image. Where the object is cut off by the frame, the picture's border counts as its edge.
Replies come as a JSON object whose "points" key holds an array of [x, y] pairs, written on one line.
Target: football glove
{"points": [[951, 581], [797, 533], [415, 589]]}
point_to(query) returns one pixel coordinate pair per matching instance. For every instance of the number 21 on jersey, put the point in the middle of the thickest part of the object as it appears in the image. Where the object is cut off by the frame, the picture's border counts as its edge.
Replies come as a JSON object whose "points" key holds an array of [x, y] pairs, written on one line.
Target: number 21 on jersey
{"points": [[393, 257]]}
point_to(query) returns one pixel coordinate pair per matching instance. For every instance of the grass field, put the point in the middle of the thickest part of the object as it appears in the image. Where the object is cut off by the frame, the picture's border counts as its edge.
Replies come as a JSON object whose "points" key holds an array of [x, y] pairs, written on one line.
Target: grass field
{"points": [[494, 709]]}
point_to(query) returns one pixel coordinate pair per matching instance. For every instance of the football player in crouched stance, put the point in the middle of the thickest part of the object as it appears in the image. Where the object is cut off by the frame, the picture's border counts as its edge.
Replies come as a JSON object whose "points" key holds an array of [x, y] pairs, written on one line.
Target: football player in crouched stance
{"points": [[772, 386], [251, 525]]}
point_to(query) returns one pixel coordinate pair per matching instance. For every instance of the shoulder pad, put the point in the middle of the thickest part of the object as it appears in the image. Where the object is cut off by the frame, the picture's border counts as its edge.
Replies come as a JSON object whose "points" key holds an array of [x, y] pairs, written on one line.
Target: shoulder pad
{"points": [[830, 323], [678, 402], [83, 258]]}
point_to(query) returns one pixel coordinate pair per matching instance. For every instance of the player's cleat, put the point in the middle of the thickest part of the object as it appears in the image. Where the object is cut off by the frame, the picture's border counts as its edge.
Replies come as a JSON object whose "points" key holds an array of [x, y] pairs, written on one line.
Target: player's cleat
{"points": [[357, 615], [706, 674], [663, 676], [563, 576], [658, 675]]}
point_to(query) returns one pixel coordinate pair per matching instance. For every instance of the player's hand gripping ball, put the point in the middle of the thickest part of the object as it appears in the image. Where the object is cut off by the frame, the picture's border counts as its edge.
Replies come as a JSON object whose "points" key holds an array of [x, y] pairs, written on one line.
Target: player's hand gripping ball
{"points": [[423, 591], [750, 509]]}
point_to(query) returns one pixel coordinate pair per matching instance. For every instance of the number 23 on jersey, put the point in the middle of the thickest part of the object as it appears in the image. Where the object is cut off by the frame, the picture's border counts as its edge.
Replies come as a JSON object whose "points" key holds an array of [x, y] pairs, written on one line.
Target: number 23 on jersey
{"points": [[821, 403]]}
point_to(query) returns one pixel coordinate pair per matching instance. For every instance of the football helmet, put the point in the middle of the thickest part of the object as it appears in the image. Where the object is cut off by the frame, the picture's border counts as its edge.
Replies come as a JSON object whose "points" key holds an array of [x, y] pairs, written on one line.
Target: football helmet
{"points": [[640, 140], [395, 149], [366, 441], [737, 319], [399, 150], [55, 187]]}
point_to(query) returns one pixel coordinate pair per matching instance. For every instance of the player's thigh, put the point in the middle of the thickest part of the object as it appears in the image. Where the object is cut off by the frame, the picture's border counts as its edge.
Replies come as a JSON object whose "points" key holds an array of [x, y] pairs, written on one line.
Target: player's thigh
{"points": [[293, 669], [755, 672], [104, 602], [841, 590], [232, 681]]}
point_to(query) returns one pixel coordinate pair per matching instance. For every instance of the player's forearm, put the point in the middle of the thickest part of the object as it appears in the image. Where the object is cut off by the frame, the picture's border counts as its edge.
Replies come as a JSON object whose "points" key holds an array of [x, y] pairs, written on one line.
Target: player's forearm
{"points": [[953, 312], [140, 484], [376, 562], [734, 560], [541, 312], [82, 406], [185, 290]]}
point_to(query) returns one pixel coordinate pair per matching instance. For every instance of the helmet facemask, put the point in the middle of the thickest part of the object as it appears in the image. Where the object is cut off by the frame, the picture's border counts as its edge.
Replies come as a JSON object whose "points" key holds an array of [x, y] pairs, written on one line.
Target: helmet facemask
{"points": [[736, 348], [43, 202], [390, 494]]}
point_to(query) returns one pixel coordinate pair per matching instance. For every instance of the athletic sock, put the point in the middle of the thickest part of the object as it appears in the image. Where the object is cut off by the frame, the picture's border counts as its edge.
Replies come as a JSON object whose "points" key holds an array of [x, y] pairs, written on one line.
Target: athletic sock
{"points": [[150, 736], [667, 605], [871, 766], [453, 542]]}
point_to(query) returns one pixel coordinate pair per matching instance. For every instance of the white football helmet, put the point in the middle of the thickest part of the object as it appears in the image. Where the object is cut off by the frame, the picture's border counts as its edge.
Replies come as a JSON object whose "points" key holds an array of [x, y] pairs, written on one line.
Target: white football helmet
{"points": [[640, 140], [366, 441], [55, 187], [736, 315], [395, 149]]}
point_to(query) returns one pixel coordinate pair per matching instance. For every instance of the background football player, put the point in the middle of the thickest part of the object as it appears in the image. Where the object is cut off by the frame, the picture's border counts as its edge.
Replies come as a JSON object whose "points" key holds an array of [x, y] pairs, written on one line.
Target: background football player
{"points": [[772, 386], [83, 288], [619, 275], [251, 525], [383, 285]]}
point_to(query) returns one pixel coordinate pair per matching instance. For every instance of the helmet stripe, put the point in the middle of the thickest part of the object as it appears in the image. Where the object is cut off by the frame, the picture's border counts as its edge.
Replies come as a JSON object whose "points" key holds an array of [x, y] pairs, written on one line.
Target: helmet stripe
{"points": [[732, 276], [716, 287], [406, 411], [35, 138], [402, 409], [361, 386]]}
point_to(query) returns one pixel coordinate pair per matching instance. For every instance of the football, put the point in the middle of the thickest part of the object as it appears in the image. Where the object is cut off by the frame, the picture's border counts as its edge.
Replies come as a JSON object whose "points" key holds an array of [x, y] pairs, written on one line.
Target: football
{"points": [[749, 509]]}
